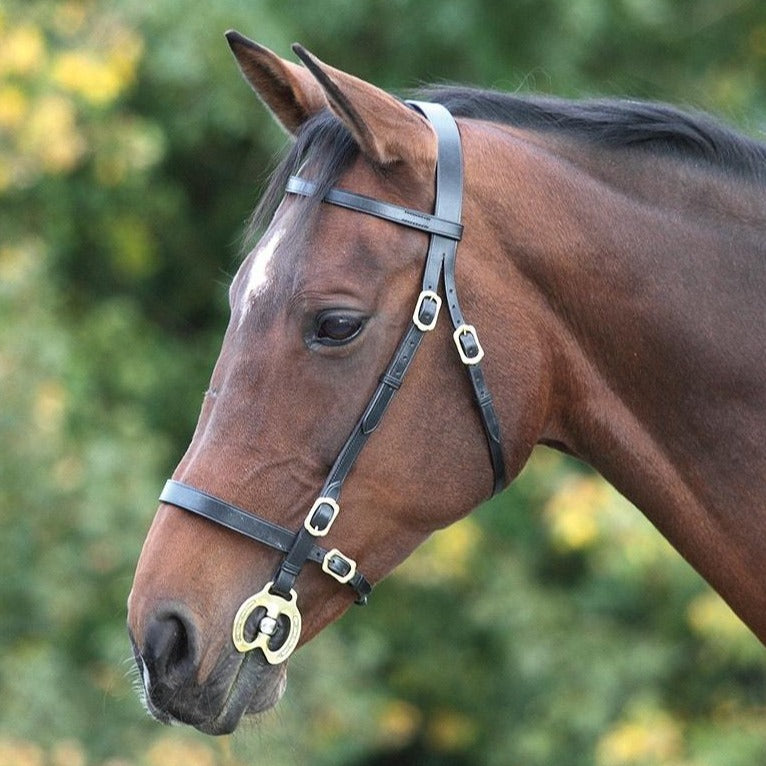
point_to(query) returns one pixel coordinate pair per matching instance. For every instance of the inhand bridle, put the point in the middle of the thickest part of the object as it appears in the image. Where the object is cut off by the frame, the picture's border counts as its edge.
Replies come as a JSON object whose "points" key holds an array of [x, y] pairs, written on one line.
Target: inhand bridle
{"points": [[277, 601]]}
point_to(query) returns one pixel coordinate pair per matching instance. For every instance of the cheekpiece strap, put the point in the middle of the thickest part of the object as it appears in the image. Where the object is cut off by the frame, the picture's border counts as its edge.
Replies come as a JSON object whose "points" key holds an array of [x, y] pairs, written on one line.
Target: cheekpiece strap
{"points": [[446, 230]]}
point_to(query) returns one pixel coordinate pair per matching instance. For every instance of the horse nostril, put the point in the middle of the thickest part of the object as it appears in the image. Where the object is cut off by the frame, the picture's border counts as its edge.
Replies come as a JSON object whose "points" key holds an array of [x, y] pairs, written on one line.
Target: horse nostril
{"points": [[169, 646]]}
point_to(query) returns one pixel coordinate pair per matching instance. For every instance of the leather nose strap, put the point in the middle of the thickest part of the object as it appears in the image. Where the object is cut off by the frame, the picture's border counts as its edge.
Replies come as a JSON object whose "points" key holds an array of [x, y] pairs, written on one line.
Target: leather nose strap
{"points": [[252, 526]]}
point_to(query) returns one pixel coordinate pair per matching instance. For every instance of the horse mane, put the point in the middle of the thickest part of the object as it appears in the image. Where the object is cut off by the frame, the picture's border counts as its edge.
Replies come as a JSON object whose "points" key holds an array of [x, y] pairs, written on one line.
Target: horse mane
{"points": [[620, 124], [616, 124]]}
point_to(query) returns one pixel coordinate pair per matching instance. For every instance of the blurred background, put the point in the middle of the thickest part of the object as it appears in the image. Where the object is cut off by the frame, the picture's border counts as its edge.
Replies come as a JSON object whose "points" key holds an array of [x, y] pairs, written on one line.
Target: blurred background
{"points": [[553, 626]]}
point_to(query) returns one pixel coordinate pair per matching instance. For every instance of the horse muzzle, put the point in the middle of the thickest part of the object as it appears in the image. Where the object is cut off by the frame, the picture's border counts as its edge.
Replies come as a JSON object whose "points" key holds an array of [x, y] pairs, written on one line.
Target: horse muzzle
{"points": [[168, 659]]}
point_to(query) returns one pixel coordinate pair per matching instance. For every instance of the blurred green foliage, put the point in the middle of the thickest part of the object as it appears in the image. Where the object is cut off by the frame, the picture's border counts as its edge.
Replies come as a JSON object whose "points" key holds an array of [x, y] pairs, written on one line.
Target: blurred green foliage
{"points": [[552, 626]]}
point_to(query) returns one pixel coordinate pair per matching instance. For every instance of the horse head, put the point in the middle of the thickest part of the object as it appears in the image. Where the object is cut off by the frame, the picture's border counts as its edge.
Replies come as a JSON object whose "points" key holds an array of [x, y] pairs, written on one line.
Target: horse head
{"points": [[317, 310]]}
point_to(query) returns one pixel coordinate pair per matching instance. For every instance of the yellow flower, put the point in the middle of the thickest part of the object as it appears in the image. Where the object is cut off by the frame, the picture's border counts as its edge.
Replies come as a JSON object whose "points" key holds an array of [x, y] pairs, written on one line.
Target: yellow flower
{"points": [[82, 73], [51, 135], [50, 405], [398, 723], [648, 737], [19, 753], [172, 751], [710, 617], [13, 107], [22, 50], [572, 512], [125, 54], [446, 555]]}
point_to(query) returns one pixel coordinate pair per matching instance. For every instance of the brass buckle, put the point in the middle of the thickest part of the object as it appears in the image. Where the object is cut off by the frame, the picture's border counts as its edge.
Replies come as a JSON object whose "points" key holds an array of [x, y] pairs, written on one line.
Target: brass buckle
{"points": [[468, 329], [275, 607], [422, 298], [316, 531], [335, 553]]}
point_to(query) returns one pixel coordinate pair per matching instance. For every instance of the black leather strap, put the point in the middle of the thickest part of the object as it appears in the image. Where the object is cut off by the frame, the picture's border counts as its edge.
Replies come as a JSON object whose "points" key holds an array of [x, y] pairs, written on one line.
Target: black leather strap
{"points": [[239, 520], [449, 201], [481, 392], [386, 210], [445, 231], [227, 515]]}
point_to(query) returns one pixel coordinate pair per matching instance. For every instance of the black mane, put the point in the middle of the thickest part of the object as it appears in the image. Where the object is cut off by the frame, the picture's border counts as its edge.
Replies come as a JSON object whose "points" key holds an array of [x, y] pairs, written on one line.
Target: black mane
{"points": [[612, 123], [616, 124]]}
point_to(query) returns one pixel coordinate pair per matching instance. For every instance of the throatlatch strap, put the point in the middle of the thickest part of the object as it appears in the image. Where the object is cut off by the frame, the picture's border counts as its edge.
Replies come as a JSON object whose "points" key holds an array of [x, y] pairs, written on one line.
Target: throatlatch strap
{"points": [[449, 202]]}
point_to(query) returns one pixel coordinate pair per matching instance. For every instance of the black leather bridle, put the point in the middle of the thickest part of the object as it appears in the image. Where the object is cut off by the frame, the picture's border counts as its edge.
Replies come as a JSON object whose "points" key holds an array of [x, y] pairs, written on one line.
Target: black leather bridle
{"points": [[277, 601]]}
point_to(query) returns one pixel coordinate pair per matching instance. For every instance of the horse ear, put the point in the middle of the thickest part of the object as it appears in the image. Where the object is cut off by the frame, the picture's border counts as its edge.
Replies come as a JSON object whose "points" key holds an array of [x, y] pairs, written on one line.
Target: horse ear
{"points": [[386, 130], [287, 89]]}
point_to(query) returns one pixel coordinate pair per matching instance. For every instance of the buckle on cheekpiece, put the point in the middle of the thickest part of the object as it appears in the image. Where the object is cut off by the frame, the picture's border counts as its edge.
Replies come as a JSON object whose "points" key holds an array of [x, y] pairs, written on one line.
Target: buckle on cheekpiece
{"points": [[318, 521], [468, 346], [426, 310]]}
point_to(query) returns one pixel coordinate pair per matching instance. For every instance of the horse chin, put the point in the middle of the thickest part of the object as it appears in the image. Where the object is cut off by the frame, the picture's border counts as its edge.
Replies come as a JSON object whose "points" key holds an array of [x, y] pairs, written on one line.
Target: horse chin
{"points": [[256, 688]]}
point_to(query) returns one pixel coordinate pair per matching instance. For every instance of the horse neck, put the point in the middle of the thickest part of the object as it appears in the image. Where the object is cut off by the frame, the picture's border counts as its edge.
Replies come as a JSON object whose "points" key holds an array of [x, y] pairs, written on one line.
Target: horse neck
{"points": [[647, 280]]}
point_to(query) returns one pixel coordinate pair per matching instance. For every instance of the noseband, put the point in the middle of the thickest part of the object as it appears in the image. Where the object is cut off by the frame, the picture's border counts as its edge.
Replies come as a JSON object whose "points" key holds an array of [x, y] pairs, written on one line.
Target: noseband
{"points": [[277, 601]]}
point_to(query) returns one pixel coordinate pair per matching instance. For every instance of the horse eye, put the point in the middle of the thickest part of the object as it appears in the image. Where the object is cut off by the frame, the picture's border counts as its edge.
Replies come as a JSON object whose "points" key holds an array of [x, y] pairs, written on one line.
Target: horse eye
{"points": [[335, 328]]}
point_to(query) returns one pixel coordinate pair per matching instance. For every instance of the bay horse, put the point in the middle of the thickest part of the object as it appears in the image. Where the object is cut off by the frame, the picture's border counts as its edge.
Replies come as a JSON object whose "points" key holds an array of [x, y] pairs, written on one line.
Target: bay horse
{"points": [[612, 266]]}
